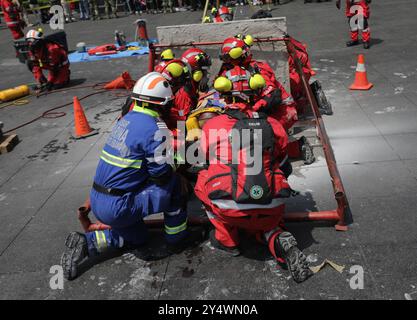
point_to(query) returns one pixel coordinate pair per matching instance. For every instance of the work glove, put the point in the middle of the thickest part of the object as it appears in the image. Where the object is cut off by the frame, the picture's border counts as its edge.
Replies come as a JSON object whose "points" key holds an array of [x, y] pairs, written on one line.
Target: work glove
{"points": [[44, 87], [272, 101], [338, 4]]}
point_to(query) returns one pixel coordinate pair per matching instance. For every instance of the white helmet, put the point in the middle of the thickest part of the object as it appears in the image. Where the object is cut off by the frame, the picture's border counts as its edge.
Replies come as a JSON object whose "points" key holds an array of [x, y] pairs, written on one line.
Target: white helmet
{"points": [[153, 88], [34, 35]]}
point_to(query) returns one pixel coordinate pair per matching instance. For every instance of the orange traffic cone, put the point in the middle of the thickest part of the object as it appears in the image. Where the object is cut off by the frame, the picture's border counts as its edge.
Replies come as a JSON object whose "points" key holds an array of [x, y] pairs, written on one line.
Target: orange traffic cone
{"points": [[124, 81], [82, 128], [361, 78]]}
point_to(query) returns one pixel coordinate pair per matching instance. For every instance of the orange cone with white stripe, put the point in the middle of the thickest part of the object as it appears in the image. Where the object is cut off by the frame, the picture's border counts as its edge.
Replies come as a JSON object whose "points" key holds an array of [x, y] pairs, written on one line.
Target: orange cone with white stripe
{"points": [[124, 81], [361, 78], [82, 127]]}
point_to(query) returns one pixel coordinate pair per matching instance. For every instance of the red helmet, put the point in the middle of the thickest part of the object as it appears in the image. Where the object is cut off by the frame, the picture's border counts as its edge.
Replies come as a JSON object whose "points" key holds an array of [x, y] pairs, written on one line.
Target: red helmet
{"points": [[224, 10], [196, 58], [175, 71], [236, 51]]}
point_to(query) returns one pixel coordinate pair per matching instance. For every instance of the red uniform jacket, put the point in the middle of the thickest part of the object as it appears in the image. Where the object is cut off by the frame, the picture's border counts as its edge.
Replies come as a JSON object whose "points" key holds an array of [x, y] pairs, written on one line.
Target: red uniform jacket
{"points": [[362, 3], [51, 57], [12, 18], [286, 112], [11, 13], [297, 90]]}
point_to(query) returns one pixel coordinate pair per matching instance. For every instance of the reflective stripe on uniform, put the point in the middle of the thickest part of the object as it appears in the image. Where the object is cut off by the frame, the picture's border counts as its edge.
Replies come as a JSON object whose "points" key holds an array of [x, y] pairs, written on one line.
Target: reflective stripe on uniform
{"points": [[233, 205], [288, 101], [101, 241], [149, 112], [175, 230], [283, 161], [211, 215], [120, 162]]}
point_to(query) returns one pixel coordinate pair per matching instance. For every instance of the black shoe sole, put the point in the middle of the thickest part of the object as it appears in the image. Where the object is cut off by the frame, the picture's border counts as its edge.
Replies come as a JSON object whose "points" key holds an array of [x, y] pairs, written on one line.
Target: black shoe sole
{"points": [[75, 253], [294, 257], [307, 152]]}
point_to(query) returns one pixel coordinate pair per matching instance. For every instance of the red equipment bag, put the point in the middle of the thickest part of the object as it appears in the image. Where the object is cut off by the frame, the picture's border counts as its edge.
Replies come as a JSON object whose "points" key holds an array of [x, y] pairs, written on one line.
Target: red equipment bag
{"points": [[101, 49]]}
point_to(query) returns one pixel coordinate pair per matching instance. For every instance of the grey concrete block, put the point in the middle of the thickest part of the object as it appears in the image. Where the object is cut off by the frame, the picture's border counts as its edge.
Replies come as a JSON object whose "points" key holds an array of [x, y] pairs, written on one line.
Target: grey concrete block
{"points": [[275, 53]]}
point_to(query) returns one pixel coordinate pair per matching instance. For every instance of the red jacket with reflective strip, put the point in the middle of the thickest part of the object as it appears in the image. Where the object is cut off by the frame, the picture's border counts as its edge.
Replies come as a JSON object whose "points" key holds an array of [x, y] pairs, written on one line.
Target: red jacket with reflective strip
{"points": [[11, 13], [361, 3], [53, 58]]}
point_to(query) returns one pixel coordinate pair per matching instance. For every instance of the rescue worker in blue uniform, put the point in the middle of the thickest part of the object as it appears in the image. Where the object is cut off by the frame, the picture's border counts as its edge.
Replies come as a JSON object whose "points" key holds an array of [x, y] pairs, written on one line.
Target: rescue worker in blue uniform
{"points": [[134, 179]]}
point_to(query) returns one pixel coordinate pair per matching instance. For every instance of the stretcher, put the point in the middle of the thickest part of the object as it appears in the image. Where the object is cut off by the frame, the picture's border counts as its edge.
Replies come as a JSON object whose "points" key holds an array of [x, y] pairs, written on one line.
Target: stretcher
{"points": [[272, 44]]}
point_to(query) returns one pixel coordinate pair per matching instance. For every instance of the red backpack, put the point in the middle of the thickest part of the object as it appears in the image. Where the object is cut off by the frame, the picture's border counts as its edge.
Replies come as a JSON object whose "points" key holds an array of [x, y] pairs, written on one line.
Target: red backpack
{"points": [[231, 180]]}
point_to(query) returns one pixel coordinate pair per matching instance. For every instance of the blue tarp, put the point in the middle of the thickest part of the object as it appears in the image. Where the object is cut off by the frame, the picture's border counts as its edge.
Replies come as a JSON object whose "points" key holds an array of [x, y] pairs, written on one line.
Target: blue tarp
{"points": [[85, 57]]}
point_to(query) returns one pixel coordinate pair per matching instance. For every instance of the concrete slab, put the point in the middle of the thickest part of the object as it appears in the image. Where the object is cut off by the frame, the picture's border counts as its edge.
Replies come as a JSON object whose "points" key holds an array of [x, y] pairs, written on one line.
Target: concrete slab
{"points": [[405, 145], [382, 179], [363, 149]]}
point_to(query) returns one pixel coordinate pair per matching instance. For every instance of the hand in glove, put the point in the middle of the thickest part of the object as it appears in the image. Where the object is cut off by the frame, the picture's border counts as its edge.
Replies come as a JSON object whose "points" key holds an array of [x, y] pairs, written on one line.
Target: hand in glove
{"points": [[46, 86], [272, 101]]}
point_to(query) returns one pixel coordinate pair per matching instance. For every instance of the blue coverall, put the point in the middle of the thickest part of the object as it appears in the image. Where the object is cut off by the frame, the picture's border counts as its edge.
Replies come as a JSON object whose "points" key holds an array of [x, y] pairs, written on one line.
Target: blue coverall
{"points": [[127, 163]]}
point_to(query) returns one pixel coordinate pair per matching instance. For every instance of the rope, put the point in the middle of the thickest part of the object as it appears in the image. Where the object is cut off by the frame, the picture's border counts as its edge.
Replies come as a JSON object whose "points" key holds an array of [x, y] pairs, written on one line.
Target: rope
{"points": [[51, 113]]}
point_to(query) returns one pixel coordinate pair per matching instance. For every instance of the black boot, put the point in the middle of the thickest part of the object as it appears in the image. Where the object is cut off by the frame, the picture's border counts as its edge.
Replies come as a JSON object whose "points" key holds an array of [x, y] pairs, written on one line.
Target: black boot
{"points": [[325, 107], [193, 237], [306, 150], [286, 246], [233, 251], [352, 43], [75, 253]]}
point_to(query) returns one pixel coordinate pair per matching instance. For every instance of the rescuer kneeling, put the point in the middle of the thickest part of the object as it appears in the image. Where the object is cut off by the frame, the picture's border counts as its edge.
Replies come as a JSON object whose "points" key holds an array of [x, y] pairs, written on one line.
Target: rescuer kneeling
{"points": [[134, 179], [245, 184], [50, 56]]}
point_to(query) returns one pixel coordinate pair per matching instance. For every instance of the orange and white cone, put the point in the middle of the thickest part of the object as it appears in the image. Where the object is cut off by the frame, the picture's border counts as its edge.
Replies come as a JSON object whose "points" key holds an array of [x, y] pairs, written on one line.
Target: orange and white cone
{"points": [[82, 127], [361, 78]]}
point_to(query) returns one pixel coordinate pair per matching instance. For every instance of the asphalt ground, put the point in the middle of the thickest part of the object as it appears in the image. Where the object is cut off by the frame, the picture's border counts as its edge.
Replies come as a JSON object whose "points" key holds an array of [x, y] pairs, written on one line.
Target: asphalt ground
{"points": [[374, 136]]}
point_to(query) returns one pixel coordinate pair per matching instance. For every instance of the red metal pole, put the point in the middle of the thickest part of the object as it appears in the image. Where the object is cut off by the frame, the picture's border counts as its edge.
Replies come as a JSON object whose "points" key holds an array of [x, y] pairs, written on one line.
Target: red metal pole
{"points": [[324, 138]]}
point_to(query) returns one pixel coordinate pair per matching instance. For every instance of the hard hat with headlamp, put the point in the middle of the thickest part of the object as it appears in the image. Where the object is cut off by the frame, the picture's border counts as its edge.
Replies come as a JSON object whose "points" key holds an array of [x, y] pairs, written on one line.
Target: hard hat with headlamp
{"points": [[199, 62], [34, 37], [153, 89], [175, 71], [237, 49]]}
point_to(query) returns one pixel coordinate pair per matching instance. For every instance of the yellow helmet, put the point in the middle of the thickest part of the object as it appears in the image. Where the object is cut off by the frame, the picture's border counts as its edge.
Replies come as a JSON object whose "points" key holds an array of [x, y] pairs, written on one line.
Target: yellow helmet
{"points": [[167, 55]]}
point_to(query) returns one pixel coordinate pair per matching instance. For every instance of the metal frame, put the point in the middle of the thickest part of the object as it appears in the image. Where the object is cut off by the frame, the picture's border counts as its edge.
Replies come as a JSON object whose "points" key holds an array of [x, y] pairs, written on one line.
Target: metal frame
{"points": [[337, 215]]}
